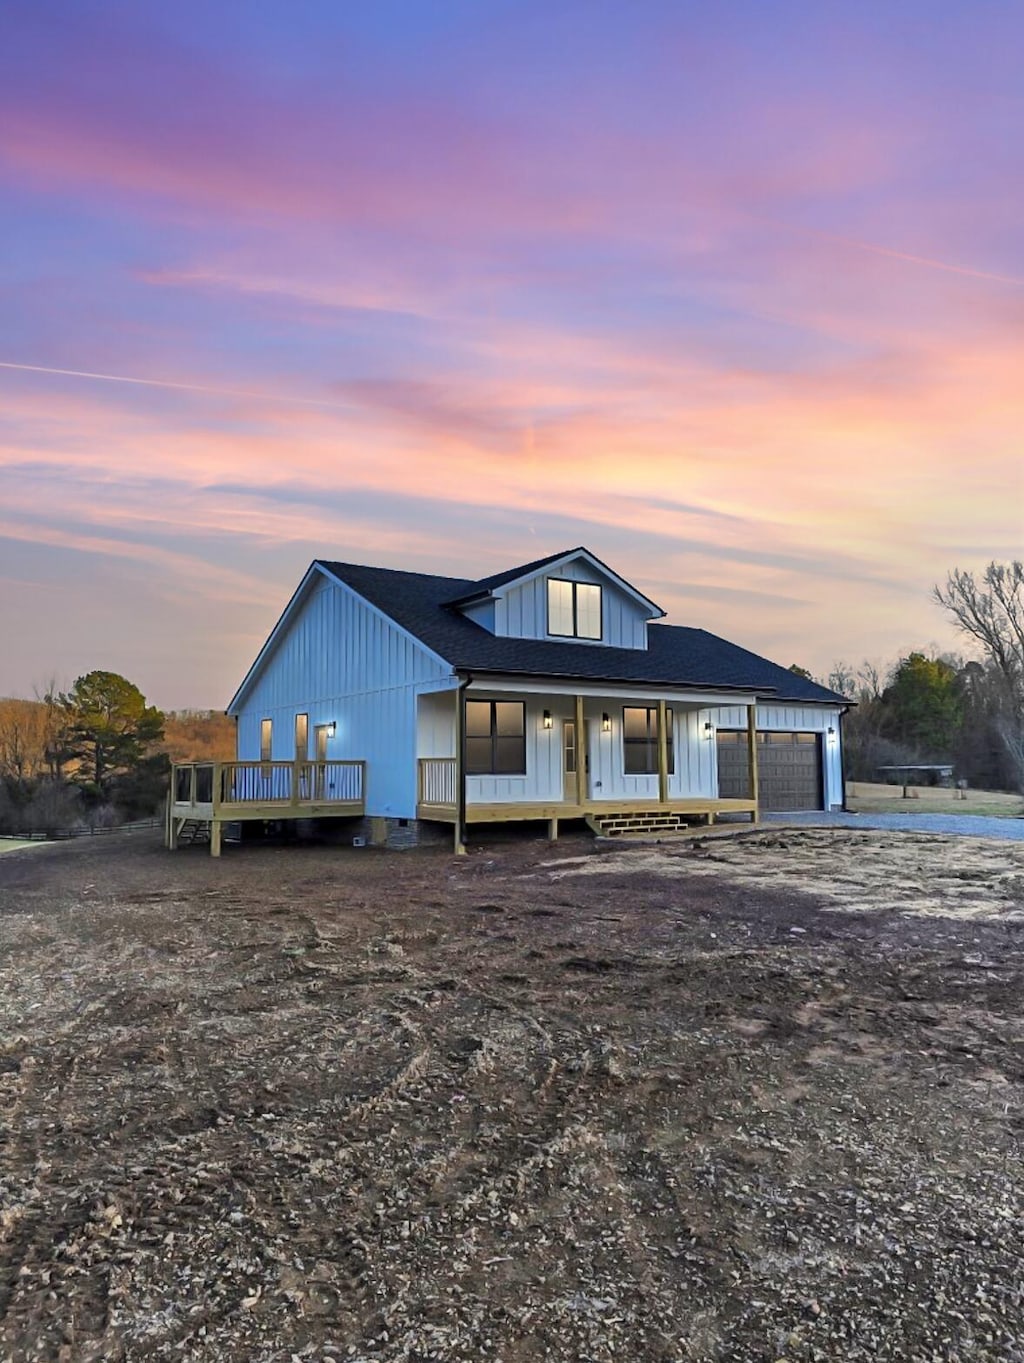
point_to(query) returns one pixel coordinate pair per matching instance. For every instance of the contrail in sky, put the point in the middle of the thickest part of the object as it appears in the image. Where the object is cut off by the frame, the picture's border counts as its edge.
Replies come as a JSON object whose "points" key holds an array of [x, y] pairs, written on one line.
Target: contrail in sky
{"points": [[182, 387], [926, 261]]}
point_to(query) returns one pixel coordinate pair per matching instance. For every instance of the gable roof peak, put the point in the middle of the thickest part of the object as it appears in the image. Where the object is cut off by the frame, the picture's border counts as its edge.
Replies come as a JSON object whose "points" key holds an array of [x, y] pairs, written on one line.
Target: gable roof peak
{"points": [[487, 586]]}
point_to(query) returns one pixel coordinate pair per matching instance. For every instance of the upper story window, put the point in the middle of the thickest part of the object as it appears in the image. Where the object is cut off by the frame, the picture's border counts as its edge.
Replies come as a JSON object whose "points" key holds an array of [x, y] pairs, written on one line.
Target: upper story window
{"points": [[574, 609], [266, 739]]}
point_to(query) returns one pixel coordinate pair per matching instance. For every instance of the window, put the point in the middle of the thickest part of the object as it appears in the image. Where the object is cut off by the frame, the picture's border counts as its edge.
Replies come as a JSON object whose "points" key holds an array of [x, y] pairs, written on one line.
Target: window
{"points": [[266, 739], [640, 740], [301, 737], [495, 738], [574, 609]]}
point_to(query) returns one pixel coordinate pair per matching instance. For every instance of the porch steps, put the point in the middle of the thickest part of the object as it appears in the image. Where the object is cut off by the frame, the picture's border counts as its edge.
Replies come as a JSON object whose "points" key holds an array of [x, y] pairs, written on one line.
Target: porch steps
{"points": [[653, 822]]}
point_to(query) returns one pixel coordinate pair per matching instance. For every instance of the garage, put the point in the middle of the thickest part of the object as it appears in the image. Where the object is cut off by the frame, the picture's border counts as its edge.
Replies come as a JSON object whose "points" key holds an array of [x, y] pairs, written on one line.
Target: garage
{"points": [[788, 769]]}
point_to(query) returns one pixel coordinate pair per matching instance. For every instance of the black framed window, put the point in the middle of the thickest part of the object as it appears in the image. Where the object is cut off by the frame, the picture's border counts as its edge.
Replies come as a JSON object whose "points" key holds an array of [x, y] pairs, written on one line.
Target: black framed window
{"points": [[495, 738], [640, 740], [574, 609]]}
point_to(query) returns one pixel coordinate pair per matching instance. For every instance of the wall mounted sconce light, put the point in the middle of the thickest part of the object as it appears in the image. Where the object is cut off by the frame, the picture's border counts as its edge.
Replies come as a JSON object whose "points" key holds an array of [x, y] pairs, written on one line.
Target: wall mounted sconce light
{"points": [[831, 731], [547, 719], [606, 723], [709, 729], [332, 729]]}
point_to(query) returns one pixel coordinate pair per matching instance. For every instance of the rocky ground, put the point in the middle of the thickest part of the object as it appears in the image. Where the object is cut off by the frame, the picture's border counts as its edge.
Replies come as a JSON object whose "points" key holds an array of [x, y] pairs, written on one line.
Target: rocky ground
{"points": [[744, 1099]]}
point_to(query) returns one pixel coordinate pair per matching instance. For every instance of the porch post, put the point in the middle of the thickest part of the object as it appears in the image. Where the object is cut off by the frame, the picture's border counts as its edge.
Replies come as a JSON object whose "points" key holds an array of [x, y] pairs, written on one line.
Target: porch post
{"points": [[460, 767], [752, 754], [662, 753], [581, 754]]}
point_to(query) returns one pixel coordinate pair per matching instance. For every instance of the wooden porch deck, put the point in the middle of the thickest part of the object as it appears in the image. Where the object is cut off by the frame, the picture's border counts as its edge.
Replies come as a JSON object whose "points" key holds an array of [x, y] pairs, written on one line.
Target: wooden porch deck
{"points": [[216, 793], [436, 801], [515, 811]]}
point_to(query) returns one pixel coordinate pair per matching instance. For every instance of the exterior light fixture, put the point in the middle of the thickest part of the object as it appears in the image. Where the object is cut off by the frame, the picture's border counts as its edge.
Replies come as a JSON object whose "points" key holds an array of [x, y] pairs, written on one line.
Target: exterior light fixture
{"points": [[547, 719], [606, 723], [332, 729], [831, 731], [709, 729]]}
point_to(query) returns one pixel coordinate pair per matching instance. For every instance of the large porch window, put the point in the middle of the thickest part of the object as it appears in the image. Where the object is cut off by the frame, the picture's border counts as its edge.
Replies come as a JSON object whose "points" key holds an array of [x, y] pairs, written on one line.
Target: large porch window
{"points": [[495, 738], [640, 740]]}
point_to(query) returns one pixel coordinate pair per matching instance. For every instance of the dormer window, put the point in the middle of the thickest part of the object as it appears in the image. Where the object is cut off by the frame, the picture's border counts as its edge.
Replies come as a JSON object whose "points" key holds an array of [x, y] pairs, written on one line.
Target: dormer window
{"points": [[574, 609]]}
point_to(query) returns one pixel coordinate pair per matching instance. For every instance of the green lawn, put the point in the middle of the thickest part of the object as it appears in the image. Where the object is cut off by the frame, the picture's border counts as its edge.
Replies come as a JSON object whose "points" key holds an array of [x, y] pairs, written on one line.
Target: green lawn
{"points": [[12, 844]]}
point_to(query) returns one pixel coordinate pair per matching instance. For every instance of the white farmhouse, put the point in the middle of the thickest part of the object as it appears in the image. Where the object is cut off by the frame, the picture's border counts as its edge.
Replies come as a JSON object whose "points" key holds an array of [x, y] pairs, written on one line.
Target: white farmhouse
{"points": [[548, 692]]}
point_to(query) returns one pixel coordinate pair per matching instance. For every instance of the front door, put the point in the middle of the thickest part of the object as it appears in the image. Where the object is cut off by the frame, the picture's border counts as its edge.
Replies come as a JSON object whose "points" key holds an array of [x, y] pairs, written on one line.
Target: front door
{"points": [[570, 757], [320, 736]]}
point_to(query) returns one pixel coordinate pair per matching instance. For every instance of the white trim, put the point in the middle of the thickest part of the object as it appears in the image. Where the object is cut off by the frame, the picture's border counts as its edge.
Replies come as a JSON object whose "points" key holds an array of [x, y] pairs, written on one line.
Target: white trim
{"points": [[272, 637], [546, 569], [297, 598]]}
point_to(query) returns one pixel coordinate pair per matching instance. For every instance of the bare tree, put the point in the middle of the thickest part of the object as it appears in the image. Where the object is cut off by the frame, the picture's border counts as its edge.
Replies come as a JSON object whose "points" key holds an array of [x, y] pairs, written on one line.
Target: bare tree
{"points": [[990, 610]]}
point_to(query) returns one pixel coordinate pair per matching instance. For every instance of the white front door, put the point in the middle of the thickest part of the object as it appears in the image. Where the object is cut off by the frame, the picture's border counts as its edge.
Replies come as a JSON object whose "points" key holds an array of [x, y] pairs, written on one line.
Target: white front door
{"points": [[320, 736]]}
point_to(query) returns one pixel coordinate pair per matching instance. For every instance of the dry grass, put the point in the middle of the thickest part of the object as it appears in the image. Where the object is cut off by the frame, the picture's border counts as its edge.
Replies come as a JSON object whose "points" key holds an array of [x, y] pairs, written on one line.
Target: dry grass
{"points": [[863, 797]]}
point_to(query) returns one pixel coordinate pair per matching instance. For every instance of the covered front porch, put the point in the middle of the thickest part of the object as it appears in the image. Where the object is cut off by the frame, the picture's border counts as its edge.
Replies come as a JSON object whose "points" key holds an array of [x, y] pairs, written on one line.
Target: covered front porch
{"points": [[495, 751]]}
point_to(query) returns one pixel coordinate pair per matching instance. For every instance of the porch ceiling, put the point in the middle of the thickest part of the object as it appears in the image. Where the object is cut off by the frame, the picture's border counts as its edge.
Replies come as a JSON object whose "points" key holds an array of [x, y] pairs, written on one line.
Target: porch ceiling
{"points": [[681, 696]]}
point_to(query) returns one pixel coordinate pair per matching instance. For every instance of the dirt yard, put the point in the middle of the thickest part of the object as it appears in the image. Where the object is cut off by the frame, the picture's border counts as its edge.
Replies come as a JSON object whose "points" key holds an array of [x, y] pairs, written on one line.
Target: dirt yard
{"points": [[736, 1099]]}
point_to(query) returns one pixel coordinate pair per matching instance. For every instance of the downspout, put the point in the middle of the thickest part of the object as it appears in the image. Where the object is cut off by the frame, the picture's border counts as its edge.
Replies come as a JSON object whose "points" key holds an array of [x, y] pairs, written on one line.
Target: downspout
{"points": [[842, 754], [460, 749]]}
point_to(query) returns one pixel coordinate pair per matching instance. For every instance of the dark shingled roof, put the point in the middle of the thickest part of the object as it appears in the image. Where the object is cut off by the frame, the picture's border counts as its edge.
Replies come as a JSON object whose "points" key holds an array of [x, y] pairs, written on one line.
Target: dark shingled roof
{"points": [[486, 585], [675, 656]]}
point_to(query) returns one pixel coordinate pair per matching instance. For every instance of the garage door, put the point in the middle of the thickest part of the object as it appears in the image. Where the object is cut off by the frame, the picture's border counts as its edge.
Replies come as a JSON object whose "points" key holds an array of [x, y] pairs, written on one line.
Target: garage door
{"points": [[788, 769]]}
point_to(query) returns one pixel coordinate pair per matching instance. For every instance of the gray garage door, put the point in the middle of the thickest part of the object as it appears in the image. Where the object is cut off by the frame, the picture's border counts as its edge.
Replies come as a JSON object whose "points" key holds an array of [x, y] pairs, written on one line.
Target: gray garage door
{"points": [[788, 769]]}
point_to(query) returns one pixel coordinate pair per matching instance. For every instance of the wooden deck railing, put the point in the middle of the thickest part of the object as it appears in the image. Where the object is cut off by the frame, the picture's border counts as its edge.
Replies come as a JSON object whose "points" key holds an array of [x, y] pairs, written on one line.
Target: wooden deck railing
{"points": [[435, 783], [223, 785]]}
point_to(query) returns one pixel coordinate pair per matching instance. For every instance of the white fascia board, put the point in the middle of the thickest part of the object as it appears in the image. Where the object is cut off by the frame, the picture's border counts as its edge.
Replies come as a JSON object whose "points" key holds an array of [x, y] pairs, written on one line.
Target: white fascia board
{"points": [[297, 597], [610, 691], [602, 568]]}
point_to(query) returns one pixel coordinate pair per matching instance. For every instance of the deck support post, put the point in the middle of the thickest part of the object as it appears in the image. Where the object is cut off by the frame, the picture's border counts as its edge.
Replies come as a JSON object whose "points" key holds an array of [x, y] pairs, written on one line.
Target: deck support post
{"points": [[552, 830], [215, 831], [662, 753], [752, 757], [582, 755], [173, 828]]}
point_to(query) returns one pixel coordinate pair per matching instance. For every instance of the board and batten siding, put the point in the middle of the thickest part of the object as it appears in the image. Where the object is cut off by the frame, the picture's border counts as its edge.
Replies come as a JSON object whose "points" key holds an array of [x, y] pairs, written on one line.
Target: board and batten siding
{"points": [[342, 662], [521, 612], [696, 765], [795, 718], [543, 782]]}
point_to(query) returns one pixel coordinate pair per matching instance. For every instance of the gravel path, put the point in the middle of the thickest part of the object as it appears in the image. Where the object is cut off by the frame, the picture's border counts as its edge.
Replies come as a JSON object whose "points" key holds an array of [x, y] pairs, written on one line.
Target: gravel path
{"points": [[962, 825]]}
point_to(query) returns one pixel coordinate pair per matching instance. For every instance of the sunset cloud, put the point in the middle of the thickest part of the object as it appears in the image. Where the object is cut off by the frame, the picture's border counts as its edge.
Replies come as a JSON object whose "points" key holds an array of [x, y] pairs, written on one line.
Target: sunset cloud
{"points": [[738, 304]]}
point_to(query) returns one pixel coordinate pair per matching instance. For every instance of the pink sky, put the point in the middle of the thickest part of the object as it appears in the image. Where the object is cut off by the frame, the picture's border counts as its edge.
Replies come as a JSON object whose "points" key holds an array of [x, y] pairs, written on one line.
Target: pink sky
{"points": [[734, 297]]}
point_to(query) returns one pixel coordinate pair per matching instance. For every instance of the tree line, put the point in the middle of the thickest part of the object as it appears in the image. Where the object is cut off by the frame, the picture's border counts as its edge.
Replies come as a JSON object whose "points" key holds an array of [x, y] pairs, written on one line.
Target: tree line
{"points": [[96, 754], [942, 707]]}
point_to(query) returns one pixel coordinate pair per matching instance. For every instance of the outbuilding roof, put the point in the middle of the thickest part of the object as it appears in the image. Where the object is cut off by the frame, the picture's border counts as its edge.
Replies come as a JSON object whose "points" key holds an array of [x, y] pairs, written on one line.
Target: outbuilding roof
{"points": [[421, 603]]}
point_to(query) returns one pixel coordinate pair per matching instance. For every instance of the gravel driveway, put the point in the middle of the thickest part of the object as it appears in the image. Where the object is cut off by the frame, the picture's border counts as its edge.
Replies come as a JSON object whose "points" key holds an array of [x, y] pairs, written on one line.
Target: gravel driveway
{"points": [[962, 825]]}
